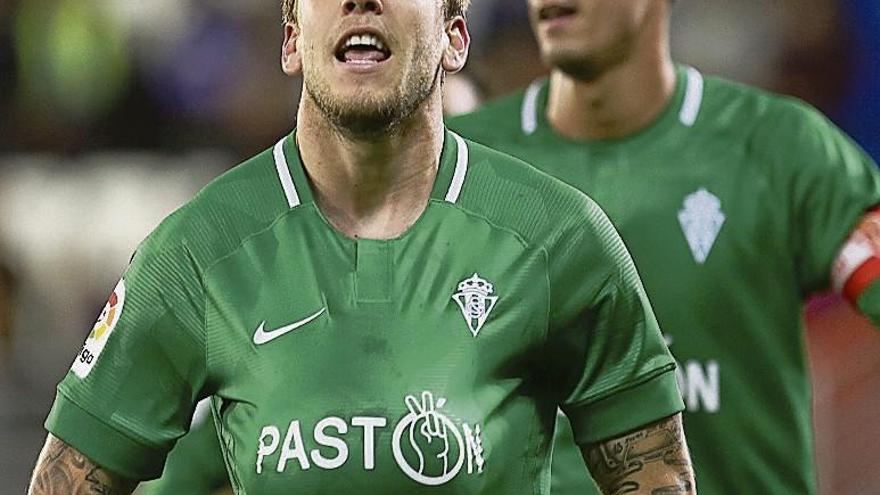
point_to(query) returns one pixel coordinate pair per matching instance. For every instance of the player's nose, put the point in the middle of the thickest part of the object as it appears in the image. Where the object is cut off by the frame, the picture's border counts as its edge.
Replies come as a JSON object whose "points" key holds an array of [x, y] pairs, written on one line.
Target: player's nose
{"points": [[362, 7]]}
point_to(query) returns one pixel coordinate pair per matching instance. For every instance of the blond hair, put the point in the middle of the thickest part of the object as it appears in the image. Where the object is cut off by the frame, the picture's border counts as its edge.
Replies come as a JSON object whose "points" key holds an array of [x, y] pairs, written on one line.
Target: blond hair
{"points": [[451, 9]]}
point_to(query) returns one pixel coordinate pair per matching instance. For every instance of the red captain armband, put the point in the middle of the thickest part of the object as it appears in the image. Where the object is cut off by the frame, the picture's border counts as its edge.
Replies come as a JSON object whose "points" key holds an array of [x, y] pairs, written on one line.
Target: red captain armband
{"points": [[858, 263]]}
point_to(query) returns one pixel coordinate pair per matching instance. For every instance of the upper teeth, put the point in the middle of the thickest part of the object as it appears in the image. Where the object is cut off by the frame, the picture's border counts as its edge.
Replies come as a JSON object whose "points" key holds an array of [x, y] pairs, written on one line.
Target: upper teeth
{"points": [[365, 39]]}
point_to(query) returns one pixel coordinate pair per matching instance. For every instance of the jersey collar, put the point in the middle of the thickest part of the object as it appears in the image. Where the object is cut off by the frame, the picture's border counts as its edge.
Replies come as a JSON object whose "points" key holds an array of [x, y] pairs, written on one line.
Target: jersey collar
{"points": [[451, 174], [454, 163], [683, 109]]}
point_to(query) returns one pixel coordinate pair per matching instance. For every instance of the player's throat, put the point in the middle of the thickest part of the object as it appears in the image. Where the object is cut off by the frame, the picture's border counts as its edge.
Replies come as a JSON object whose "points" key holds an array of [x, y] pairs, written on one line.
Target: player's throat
{"points": [[377, 202], [373, 188], [619, 104]]}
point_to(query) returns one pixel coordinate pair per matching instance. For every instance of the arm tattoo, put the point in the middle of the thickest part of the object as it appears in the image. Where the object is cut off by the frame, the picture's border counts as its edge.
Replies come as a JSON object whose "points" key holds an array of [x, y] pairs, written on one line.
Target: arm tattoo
{"points": [[652, 460], [61, 469]]}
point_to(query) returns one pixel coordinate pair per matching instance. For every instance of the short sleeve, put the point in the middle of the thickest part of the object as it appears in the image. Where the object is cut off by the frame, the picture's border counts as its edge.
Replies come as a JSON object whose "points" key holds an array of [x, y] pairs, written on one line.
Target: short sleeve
{"points": [[613, 367], [132, 388], [833, 183]]}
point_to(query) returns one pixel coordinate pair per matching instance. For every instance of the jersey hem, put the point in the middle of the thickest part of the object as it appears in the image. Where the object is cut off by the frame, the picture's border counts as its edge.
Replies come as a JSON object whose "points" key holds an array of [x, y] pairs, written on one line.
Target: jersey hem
{"points": [[650, 400], [102, 443]]}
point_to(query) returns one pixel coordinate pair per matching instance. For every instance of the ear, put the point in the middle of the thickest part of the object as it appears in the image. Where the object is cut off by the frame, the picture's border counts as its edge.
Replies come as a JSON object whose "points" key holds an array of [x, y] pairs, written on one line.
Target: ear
{"points": [[456, 53], [291, 63]]}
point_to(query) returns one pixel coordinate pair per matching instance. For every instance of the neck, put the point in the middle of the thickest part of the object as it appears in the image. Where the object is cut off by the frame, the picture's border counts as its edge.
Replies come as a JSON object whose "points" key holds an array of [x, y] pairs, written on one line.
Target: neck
{"points": [[372, 187], [622, 100]]}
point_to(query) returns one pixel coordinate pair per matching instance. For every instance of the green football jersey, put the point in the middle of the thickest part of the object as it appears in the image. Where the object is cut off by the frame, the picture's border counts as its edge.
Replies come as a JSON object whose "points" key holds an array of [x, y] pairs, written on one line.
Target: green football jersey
{"points": [[734, 204], [430, 363]]}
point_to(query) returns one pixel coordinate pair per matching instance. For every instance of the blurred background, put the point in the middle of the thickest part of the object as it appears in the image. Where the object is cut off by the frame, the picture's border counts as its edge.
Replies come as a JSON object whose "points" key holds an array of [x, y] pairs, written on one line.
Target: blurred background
{"points": [[114, 112]]}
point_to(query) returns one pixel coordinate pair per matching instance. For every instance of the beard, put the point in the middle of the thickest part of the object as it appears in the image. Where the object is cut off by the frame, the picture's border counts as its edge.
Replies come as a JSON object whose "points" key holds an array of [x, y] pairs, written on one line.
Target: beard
{"points": [[370, 113]]}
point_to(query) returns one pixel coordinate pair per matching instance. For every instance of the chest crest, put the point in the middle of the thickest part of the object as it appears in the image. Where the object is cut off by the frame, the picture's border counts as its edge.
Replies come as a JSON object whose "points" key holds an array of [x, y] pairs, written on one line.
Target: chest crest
{"points": [[701, 219], [476, 298]]}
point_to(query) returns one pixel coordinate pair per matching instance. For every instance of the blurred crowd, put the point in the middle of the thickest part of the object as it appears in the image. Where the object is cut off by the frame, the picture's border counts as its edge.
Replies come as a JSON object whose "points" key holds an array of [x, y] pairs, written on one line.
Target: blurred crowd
{"points": [[113, 112], [177, 74]]}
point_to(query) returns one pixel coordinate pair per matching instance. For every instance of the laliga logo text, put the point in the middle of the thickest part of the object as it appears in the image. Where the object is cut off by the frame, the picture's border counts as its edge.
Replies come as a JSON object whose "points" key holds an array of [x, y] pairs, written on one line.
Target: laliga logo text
{"points": [[427, 446], [100, 334]]}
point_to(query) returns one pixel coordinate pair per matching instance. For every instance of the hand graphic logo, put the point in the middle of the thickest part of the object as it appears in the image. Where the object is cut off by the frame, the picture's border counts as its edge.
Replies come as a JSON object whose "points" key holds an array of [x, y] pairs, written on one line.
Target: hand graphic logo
{"points": [[432, 438], [430, 426]]}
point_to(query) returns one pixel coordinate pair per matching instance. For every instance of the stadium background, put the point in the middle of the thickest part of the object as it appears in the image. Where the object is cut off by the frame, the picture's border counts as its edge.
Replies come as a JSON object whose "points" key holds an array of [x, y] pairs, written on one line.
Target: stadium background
{"points": [[113, 112]]}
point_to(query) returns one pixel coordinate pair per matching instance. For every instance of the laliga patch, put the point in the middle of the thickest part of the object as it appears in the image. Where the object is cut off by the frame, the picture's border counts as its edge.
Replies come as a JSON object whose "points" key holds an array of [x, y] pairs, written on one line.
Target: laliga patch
{"points": [[97, 339]]}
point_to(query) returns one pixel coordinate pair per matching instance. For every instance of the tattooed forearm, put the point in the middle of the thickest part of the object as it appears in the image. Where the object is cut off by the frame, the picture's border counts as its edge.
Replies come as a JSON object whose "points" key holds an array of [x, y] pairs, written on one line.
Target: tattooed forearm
{"points": [[62, 470], [652, 460]]}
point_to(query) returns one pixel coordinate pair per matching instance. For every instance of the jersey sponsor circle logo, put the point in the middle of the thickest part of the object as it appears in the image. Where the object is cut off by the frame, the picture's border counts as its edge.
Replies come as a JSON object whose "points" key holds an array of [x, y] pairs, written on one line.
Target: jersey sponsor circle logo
{"points": [[476, 300], [427, 445], [431, 436], [261, 336], [701, 220], [100, 333]]}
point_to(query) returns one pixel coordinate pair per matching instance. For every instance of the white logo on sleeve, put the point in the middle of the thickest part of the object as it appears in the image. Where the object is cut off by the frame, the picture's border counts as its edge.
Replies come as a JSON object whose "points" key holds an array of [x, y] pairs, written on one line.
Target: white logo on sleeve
{"points": [[701, 220], [476, 300], [100, 333]]}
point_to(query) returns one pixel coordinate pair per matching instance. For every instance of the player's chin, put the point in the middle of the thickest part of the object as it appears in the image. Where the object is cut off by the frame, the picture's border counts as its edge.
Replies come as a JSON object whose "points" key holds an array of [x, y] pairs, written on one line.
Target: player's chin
{"points": [[555, 55], [366, 106], [367, 122], [367, 97], [571, 60]]}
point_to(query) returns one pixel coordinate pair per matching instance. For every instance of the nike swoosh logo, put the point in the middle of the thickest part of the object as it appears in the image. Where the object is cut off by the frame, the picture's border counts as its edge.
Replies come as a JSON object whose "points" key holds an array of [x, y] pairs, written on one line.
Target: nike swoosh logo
{"points": [[262, 337]]}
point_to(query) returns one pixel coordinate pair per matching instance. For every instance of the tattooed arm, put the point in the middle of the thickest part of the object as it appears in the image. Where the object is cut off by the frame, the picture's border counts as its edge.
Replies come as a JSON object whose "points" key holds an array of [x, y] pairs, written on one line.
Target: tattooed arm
{"points": [[62, 470], [653, 460]]}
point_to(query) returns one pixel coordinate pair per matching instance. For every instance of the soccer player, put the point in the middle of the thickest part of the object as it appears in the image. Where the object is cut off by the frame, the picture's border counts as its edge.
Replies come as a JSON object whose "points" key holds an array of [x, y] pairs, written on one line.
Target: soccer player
{"points": [[735, 204], [375, 304], [195, 466]]}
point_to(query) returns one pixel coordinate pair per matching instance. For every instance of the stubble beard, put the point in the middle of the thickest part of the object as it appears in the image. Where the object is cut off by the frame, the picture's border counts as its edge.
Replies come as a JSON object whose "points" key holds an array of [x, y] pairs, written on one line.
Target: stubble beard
{"points": [[369, 114]]}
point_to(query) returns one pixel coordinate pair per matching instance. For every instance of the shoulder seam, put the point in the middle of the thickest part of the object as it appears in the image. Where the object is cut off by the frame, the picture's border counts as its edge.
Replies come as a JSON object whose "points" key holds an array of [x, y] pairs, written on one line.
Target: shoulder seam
{"points": [[467, 211], [248, 237], [204, 287], [639, 380]]}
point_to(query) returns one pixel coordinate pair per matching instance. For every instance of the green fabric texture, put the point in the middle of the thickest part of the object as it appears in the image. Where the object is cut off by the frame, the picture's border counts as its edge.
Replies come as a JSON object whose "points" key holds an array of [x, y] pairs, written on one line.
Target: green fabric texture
{"points": [[734, 204], [118, 452], [430, 363], [195, 465]]}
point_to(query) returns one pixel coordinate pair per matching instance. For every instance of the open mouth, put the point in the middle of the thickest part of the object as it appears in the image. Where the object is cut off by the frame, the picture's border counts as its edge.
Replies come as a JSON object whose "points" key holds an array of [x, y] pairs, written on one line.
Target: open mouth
{"points": [[362, 48], [555, 12]]}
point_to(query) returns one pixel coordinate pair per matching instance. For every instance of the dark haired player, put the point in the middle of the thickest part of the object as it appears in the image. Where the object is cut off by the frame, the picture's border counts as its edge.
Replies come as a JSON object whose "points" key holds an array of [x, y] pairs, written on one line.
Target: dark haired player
{"points": [[735, 203]]}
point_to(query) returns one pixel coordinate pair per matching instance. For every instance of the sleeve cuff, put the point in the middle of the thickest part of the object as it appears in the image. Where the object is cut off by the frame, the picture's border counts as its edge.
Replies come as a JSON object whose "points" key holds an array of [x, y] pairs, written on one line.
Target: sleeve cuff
{"points": [[103, 444], [639, 405]]}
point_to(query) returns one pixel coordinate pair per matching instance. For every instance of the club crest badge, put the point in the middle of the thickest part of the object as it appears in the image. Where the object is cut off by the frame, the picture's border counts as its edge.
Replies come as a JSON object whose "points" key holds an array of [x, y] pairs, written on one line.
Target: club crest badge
{"points": [[701, 220], [476, 299]]}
